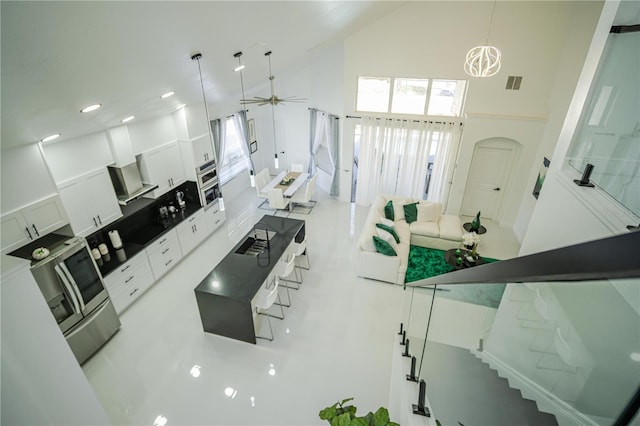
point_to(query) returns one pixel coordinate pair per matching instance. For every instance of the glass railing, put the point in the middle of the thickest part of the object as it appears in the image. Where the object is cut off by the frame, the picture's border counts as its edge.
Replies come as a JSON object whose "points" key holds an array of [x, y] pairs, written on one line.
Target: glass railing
{"points": [[533, 353]]}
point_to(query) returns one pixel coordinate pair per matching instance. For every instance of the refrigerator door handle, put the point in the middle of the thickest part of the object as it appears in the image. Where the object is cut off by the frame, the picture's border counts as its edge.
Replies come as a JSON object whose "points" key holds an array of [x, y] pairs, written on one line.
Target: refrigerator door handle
{"points": [[73, 285], [86, 323], [70, 293]]}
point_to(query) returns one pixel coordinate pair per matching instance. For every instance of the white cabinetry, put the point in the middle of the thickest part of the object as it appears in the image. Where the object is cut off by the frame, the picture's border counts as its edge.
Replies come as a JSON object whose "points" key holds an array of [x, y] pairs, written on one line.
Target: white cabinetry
{"points": [[192, 231], [31, 222], [162, 166], [90, 201], [164, 253], [214, 217], [129, 281]]}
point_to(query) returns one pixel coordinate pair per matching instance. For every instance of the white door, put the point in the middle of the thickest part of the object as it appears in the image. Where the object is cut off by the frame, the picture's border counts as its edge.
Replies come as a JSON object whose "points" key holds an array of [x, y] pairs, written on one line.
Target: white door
{"points": [[487, 181]]}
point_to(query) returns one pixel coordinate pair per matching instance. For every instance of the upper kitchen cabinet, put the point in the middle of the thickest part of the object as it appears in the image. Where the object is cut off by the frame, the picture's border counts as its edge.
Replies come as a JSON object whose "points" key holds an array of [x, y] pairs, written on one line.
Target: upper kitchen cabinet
{"points": [[25, 177], [195, 140], [195, 153], [162, 166], [90, 201], [31, 222]]}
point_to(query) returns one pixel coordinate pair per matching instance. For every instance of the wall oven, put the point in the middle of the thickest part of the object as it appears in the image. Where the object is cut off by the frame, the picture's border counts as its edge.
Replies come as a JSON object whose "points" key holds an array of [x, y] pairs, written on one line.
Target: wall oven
{"points": [[73, 288], [206, 174], [209, 194]]}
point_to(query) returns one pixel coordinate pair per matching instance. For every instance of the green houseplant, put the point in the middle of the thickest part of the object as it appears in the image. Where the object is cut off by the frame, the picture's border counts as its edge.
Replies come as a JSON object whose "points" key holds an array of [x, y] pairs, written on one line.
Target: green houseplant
{"points": [[340, 415]]}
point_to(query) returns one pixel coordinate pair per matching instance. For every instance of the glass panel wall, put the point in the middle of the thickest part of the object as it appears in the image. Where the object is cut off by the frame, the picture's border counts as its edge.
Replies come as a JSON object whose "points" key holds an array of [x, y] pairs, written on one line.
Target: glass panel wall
{"points": [[546, 352], [608, 136]]}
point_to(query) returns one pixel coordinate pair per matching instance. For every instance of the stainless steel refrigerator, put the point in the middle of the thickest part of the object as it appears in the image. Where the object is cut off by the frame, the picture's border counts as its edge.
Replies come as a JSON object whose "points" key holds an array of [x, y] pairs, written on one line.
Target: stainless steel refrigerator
{"points": [[73, 288]]}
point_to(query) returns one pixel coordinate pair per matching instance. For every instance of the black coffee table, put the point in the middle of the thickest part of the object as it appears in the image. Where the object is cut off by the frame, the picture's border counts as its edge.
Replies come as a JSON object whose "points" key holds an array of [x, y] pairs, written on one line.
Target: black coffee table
{"points": [[481, 229], [451, 257]]}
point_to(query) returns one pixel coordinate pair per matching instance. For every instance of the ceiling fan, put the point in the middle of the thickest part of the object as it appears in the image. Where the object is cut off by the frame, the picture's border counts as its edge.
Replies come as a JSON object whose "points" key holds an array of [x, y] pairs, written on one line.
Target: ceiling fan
{"points": [[273, 99]]}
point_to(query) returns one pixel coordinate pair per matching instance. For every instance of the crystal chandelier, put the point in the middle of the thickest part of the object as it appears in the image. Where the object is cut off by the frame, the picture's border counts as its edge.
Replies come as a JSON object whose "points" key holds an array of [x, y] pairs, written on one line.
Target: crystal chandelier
{"points": [[483, 61]]}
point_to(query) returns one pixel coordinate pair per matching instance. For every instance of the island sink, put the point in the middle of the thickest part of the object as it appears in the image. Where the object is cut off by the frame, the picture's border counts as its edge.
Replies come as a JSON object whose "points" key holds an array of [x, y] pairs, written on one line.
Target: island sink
{"points": [[256, 244]]}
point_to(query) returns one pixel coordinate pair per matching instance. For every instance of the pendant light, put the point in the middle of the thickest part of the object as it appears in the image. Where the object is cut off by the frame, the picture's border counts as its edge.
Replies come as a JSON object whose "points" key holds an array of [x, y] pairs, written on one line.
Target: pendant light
{"points": [[484, 61], [196, 57], [239, 69]]}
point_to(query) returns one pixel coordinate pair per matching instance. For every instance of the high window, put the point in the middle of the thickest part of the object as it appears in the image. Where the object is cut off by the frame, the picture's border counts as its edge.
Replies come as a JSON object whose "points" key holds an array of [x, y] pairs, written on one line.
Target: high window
{"points": [[434, 97], [234, 159]]}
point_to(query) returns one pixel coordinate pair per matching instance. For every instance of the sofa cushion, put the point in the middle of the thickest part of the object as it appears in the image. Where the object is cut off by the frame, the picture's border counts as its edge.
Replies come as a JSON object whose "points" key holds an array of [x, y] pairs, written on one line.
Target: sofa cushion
{"points": [[366, 244], [385, 221], [411, 212], [398, 210], [427, 229], [389, 211], [390, 230], [383, 247], [450, 228], [429, 211]]}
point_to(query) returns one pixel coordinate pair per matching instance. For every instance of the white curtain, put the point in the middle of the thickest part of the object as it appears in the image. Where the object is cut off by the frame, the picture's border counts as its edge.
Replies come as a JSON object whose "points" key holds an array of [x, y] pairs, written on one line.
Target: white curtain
{"points": [[395, 154], [240, 122]]}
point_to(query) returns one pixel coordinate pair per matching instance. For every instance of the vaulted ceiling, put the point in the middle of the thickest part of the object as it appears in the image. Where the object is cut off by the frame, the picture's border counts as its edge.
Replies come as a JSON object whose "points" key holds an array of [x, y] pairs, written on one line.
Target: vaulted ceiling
{"points": [[58, 57]]}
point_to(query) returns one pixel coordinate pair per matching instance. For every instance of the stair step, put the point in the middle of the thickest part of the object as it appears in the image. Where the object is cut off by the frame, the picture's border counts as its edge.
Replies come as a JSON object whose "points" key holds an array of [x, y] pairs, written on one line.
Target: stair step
{"points": [[462, 388]]}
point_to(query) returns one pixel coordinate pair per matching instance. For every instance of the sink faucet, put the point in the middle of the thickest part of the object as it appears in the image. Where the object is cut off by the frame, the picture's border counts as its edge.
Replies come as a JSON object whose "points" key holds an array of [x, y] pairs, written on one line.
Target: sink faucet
{"points": [[266, 232]]}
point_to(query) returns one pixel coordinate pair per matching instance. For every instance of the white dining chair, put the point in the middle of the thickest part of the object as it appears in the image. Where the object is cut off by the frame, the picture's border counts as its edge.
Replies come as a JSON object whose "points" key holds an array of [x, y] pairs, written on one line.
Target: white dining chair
{"points": [[300, 250], [277, 200], [295, 167], [265, 298], [283, 270], [261, 179], [302, 197]]}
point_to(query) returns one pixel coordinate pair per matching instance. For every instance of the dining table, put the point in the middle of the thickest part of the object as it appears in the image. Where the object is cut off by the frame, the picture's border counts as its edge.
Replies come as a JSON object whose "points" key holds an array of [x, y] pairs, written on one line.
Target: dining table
{"points": [[288, 189]]}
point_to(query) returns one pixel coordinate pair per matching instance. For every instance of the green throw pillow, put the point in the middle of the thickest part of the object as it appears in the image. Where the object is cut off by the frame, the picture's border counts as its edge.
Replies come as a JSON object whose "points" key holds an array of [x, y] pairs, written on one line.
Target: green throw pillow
{"points": [[390, 230], [388, 210], [383, 247], [411, 212]]}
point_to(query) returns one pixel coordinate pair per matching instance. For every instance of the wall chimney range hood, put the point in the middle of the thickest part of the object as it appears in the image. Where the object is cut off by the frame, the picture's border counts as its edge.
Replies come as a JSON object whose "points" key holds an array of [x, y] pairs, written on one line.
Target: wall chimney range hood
{"points": [[127, 183]]}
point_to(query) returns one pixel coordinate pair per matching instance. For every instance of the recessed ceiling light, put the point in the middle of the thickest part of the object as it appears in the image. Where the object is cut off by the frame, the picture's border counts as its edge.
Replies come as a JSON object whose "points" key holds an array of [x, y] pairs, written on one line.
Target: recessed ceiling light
{"points": [[166, 95], [180, 106], [91, 108], [129, 118], [50, 138]]}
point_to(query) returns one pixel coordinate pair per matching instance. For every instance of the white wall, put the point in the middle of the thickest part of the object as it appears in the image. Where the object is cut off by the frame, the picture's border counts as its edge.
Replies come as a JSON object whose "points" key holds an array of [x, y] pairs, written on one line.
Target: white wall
{"points": [[424, 40], [42, 383], [25, 177], [68, 159], [148, 134]]}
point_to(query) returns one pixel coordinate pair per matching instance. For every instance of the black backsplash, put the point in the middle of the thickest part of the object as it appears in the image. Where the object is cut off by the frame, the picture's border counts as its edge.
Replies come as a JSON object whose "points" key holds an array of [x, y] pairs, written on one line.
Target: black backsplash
{"points": [[142, 214]]}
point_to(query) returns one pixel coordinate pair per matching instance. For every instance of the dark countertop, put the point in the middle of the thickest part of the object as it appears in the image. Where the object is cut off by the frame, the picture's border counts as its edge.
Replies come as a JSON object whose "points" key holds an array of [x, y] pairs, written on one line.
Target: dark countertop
{"points": [[240, 276], [140, 236]]}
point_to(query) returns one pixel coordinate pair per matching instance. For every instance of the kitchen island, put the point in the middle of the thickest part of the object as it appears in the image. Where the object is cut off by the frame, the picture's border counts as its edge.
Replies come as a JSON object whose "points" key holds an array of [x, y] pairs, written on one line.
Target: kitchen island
{"points": [[225, 295]]}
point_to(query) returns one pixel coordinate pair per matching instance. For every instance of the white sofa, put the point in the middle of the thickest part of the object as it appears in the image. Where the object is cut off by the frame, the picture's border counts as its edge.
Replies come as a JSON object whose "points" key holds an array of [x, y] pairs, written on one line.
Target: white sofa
{"points": [[431, 229]]}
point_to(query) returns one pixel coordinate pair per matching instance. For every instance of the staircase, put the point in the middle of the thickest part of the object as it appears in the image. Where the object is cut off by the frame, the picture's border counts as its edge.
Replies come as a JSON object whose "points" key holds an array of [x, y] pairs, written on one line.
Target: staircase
{"points": [[461, 388]]}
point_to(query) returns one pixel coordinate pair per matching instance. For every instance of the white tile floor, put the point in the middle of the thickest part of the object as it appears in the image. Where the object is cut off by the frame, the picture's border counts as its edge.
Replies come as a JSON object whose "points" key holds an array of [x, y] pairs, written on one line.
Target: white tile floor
{"points": [[335, 342]]}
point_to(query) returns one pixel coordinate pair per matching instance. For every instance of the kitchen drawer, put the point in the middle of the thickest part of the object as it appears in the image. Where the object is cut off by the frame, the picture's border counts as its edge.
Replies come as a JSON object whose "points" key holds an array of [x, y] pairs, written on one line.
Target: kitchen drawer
{"points": [[215, 218], [129, 282], [164, 254]]}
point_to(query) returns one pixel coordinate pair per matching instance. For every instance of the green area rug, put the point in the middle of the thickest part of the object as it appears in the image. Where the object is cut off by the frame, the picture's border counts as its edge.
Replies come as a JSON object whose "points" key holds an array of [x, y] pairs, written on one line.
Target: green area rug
{"points": [[425, 262]]}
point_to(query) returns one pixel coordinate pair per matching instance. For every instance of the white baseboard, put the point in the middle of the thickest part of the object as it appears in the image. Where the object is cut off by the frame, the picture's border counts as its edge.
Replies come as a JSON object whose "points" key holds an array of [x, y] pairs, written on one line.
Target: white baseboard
{"points": [[546, 401]]}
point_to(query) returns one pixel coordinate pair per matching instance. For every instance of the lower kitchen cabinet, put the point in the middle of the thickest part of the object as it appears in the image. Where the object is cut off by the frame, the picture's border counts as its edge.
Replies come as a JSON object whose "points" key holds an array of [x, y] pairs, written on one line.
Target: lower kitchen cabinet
{"points": [[164, 253], [129, 281], [214, 218], [192, 231]]}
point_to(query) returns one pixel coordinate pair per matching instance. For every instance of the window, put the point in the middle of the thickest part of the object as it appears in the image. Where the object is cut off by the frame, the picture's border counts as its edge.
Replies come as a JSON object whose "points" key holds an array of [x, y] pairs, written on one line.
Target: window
{"points": [[235, 160], [411, 96]]}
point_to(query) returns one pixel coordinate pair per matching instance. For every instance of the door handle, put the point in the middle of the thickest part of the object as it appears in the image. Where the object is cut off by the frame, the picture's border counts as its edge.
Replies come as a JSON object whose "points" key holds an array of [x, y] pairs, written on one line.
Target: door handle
{"points": [[94, 221], [29, 233], [99, 220], [35, 229], [496, 189]]}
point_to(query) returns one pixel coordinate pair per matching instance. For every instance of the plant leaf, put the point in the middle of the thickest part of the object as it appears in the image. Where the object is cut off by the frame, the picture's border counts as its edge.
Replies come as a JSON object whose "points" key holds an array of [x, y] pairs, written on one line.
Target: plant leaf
{"points": [[345, 401], [359, 421], [328, 413], [438, 423], [381, 417], [341, 420]]}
